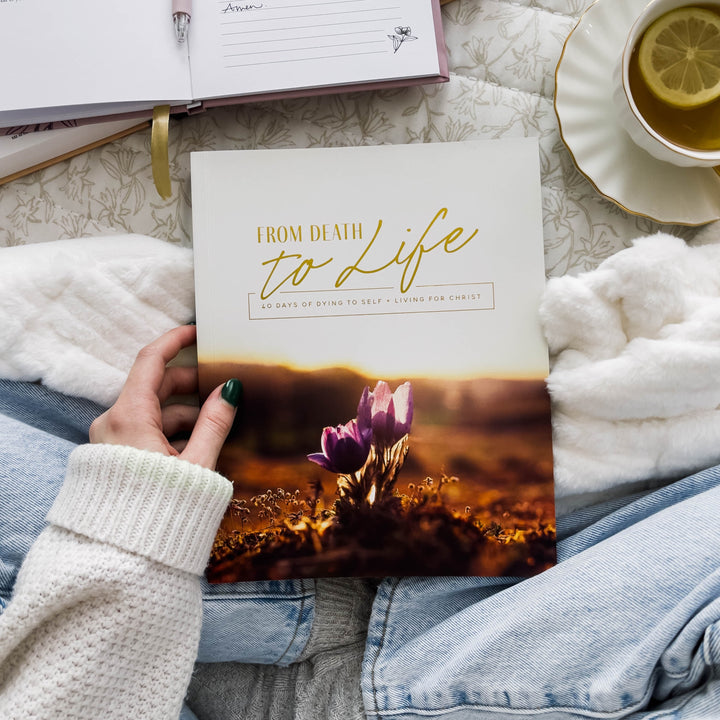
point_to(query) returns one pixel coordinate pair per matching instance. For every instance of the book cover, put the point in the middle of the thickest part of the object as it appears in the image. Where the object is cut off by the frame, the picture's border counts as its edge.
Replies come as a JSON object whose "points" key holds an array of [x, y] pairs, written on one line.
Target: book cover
{"points": [[380, 306]]}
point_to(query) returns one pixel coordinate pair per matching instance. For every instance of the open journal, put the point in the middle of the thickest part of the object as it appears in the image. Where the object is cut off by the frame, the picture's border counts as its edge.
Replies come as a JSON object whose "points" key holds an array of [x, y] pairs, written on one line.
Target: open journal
{"points": [[385, 329], [82, 59]]}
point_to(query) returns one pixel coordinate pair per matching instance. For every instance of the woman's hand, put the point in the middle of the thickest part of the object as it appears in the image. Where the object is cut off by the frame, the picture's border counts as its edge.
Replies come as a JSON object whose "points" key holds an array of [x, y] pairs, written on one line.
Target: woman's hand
{"points": [[140, 418]]}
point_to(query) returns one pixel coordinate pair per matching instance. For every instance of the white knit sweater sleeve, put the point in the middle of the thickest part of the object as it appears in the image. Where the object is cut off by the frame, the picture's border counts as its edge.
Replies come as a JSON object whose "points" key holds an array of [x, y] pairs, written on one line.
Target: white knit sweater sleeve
{"points": [[105, 617]]}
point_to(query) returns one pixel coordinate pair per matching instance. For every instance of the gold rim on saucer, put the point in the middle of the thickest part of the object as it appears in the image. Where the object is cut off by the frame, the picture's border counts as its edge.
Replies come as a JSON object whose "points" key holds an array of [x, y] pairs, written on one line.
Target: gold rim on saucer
{"points": [[602, 151]]}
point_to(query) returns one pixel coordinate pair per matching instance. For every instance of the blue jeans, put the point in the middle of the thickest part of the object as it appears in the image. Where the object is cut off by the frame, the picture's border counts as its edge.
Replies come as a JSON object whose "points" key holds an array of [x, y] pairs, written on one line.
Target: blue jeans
{"points": [[626, 625]]}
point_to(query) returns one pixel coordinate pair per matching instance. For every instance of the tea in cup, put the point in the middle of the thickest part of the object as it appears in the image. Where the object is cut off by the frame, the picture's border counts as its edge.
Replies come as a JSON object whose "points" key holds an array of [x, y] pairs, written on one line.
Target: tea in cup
{"points": [[663, 105]]}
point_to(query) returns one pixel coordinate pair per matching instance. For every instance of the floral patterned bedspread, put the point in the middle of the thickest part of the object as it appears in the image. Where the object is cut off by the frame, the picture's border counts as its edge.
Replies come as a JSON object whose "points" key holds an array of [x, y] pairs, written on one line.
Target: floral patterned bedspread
{"points": [[502, 57]]}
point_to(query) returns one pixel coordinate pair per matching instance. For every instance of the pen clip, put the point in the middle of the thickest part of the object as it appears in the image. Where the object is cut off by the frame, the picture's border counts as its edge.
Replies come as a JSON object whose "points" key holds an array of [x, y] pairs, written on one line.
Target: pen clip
{"points": [[182, 23]]}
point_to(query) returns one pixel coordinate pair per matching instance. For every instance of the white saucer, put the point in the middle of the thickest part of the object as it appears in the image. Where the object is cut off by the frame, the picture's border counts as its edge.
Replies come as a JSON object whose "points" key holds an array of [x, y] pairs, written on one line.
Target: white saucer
{"points": [[602, 150]]}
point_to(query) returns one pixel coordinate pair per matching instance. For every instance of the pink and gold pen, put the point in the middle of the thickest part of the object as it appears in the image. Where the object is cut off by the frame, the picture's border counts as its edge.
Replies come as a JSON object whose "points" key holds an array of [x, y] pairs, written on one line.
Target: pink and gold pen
{"points": [[181, 12]]}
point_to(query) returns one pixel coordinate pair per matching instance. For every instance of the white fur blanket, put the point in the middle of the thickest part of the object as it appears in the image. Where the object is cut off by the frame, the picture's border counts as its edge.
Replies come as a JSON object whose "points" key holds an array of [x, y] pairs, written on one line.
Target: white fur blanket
{"points": [[74, 313], [635, 379], [634, 344]]}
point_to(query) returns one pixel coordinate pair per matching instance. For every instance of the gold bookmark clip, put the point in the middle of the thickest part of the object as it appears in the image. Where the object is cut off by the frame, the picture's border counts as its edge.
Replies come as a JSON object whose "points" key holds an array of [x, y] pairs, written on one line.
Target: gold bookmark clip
{"points": [[159, 150]]}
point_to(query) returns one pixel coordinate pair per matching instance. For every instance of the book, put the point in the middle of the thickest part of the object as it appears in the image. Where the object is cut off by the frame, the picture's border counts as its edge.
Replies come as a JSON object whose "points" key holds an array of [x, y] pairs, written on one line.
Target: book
{"points": [[24, 153], [84, 61], [385, 328]]}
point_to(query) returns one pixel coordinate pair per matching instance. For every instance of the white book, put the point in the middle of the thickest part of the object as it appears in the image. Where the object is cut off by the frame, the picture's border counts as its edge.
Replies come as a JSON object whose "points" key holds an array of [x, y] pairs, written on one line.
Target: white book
{"points": [[319, 273]]}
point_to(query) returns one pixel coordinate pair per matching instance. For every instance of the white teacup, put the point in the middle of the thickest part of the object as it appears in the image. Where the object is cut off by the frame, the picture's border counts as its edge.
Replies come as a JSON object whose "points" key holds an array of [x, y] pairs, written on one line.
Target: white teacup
{"points": [[630, 92]]}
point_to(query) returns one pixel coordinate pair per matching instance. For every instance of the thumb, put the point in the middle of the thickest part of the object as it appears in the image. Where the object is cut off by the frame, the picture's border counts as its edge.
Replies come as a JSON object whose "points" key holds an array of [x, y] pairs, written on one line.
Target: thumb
{"points": [[213, 424]]}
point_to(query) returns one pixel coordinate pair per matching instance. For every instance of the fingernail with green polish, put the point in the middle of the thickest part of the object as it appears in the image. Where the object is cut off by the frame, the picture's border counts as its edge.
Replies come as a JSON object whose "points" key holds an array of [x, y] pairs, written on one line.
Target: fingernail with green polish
{"points": [[232, 392]]}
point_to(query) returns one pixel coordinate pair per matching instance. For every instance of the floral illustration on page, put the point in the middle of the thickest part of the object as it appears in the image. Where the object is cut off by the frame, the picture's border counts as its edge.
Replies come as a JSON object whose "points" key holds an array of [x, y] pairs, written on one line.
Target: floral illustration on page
{"points": [[402, 34]]}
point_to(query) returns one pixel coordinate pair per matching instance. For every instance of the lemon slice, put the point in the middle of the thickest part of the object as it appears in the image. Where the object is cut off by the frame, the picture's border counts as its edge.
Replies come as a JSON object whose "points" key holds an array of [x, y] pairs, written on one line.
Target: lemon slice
{"points": [[679, 57]]}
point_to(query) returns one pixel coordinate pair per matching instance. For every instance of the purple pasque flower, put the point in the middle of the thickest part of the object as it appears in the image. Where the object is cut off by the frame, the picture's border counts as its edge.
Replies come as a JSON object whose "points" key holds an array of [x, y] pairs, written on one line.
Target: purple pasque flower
{"points": [[388, 414], [344, 448]]}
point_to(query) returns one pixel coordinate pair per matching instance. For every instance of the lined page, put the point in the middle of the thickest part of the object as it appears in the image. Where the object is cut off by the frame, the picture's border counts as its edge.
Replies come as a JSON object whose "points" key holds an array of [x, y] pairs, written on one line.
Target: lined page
{"points": [[87, 53], [272, 45]]}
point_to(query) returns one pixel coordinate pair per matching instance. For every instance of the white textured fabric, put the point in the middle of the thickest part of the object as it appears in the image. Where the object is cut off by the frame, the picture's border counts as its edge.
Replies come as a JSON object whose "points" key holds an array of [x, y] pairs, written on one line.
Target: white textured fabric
{"points": [[74, 313], [97, 599], [635, 365], [164, 508]]}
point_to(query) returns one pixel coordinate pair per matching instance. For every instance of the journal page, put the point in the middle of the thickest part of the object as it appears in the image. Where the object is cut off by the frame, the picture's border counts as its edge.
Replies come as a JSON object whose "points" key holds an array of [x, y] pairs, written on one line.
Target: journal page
{"points": [[265, 46], [79, 58]]}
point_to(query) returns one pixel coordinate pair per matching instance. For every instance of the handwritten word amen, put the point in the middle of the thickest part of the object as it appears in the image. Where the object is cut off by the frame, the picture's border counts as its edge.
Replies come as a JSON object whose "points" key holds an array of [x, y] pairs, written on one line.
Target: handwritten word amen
{"points": [[408, 259], [239, 7]]}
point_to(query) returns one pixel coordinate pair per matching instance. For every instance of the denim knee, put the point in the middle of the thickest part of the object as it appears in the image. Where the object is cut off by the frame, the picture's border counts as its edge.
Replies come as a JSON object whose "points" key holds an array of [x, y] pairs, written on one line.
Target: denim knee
{"points": [[265, 622], [627, 621]]}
